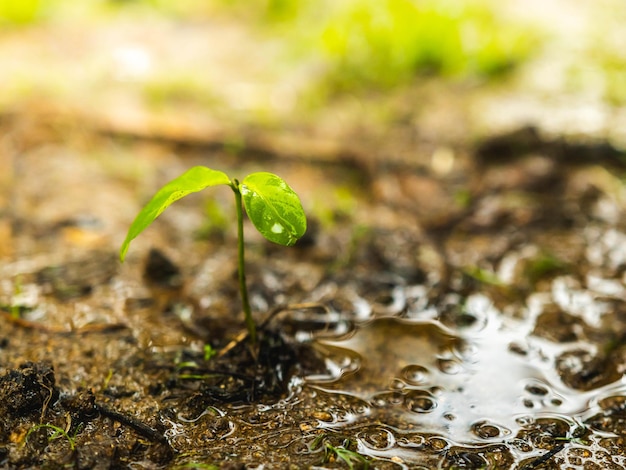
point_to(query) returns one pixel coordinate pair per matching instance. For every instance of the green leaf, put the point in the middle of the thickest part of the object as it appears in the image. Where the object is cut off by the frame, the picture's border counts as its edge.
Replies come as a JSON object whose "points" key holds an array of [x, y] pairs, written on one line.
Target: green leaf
{"points": [[273, 207], [193, 180]]}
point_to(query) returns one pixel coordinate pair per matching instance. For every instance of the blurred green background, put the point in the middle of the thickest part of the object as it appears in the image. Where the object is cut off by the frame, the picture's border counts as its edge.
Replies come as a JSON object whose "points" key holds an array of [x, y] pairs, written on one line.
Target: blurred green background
{"points": [[265, 61]]}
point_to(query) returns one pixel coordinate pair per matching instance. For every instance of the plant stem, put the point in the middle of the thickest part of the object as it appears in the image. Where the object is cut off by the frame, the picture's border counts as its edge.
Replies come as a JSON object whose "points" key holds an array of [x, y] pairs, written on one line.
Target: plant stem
{"points": [[243, 289]]}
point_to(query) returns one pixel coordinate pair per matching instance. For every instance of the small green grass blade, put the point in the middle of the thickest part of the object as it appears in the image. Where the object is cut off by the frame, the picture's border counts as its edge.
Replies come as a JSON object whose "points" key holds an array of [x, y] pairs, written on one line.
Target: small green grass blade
{"points": [[193, 180], [273, 207]]}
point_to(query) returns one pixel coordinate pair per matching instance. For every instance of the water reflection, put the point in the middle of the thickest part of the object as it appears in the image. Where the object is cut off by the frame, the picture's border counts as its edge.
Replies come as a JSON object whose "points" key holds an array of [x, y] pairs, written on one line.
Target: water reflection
{"points": [[470, 385]]}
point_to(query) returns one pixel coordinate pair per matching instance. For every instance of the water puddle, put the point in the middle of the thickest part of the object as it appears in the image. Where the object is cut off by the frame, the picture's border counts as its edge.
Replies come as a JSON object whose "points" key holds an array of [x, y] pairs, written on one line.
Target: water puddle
{"points": [[424, 388]]}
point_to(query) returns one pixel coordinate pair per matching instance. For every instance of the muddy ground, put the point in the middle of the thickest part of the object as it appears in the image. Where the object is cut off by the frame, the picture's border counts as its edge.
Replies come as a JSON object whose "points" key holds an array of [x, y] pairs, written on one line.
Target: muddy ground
{"points": [[457, 301], [464, 314]]}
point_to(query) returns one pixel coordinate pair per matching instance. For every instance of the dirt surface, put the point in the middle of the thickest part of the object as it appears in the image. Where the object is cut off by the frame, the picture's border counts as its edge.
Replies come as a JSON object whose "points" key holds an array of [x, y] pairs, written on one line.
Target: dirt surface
{"points": [[457, 301], [472, 319]]}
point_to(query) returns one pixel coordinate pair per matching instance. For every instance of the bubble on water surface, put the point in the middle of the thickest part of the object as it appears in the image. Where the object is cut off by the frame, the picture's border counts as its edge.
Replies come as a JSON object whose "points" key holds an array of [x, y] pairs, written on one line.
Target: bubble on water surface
{"points": [[415, 374], [486, 430], [424, 373], [419, 402], [449, 366], [387, 399], [377, 438]]}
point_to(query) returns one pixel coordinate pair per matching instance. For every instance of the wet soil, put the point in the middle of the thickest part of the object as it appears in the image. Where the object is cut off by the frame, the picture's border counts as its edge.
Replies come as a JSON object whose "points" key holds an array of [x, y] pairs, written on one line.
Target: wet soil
{"points": [[466, 312], [457, 302]]}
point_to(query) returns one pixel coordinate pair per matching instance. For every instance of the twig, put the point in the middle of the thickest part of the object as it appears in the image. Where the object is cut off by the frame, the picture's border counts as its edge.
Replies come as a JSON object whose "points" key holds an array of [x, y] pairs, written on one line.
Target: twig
{"points": [[544, 458], [87, 329], [141, 428]]}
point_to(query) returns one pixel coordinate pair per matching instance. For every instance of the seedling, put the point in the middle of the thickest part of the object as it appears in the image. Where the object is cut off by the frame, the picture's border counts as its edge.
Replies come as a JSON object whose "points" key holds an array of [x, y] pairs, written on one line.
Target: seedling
{"points": [[350, 457], [342, 452], [56, 434], [272, 206]]}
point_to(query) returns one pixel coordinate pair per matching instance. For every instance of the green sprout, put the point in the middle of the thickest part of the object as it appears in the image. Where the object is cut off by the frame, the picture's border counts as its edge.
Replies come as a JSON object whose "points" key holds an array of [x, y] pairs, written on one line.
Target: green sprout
{"points": [[56, 434], [350, 457], [272, 206], [209, 352], [342, 452]]}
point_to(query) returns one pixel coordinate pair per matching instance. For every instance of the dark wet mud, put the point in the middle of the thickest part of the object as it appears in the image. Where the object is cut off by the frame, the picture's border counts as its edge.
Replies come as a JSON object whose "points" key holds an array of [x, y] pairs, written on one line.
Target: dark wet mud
{"points": [[465, 310]]}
